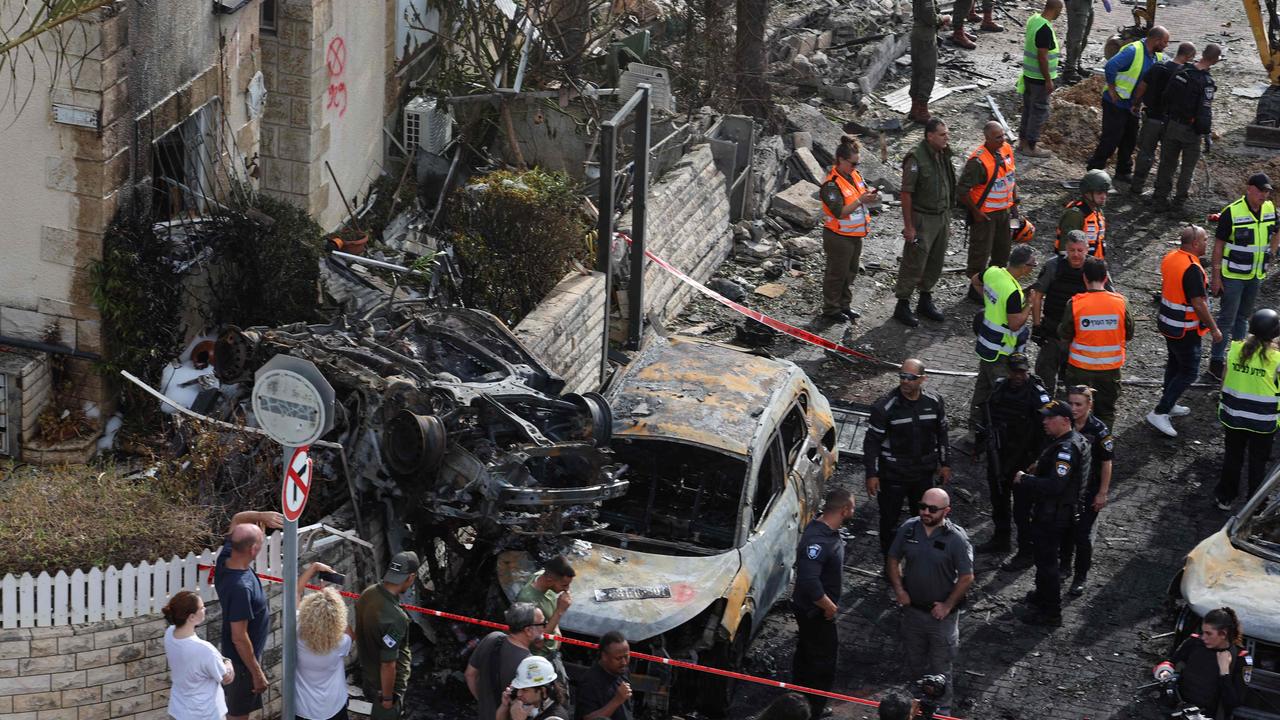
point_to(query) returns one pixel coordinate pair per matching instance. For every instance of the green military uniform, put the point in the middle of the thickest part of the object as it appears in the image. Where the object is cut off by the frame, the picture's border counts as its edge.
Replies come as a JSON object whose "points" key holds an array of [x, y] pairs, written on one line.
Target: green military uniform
{"points": [[930, 177], [1105, 383], [924, 48], [990, 241], [382, 635], [1079, 25]]}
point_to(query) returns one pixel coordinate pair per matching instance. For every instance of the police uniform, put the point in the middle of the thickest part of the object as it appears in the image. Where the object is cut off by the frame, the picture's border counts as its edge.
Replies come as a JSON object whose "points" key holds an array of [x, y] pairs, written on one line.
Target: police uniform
{"points": [[1014, 413], [1201, 683], [819, 571], [841, 238], [930, 177], [1246, 237], [1002, 296], [1188, 99], [905, 444], [1054, 489], [1249, 409], [1079, 542], [1058, 282], [932, 564], [990, 181], [382, 635], [1096, 325]]}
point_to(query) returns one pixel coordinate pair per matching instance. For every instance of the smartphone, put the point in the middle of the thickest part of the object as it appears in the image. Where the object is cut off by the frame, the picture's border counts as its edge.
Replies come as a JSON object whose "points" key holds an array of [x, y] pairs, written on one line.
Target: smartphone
{"points": [[332, 577]]}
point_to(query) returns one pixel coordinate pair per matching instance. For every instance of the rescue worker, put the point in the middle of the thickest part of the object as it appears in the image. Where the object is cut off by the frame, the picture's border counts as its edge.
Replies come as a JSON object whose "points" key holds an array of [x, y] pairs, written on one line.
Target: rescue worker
{"points": [[1244, 242], [1188, 99], [1096, 325], [1094, 497], [845, 202], [928, 194], [906, 447], [1003, 328], [1061, 279], [1079, 24], [925, 22], [930, 568], [1009, 432], [1054, 487], [989, 189], [1184, 318], [1150, 94], [819, 572], [1211, 665], [1249, 406], [1119, 125], [1039, 70], [1085, 213]]}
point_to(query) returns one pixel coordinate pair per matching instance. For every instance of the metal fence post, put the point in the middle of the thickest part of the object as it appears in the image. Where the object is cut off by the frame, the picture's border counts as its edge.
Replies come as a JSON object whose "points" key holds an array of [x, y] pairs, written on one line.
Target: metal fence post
{"points": [[639, 197], [604, 239]]}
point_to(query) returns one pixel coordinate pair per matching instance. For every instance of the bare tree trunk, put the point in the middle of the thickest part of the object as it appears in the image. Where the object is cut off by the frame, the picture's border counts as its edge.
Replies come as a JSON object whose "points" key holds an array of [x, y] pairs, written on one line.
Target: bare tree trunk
{"points": [[751, 59]]}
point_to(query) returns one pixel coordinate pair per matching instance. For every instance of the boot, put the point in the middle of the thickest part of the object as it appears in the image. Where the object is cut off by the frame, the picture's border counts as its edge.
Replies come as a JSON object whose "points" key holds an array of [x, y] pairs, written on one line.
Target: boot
{"points": [[988, 23], [919, 112], [972, 17], [960, 38], [902, 313], [926, 308], [999, 543]]}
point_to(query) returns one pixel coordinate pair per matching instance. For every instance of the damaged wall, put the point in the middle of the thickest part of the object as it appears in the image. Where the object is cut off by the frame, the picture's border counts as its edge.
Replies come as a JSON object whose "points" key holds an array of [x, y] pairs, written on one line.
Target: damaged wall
{"points": [[688, 225], [326, 72]]}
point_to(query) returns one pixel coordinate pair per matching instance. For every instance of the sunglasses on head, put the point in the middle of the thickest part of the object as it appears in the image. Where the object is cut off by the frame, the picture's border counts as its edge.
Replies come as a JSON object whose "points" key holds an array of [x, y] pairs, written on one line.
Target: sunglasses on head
{"points": [[932, 508], [909, 376]]}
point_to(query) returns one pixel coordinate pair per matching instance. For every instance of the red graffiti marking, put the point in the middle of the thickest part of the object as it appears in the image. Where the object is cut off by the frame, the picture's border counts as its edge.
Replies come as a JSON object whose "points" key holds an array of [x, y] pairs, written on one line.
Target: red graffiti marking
{"points": [[335, 62]]}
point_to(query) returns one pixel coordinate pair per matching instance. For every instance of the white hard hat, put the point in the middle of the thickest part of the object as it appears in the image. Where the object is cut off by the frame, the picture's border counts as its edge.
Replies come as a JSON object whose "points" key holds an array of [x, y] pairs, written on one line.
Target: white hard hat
{"points": [[534, 671]]}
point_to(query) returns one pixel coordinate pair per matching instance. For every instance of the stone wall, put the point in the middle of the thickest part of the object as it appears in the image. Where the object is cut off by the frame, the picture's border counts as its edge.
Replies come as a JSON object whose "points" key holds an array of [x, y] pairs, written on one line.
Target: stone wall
{"points": [[117, 668], [688, 226]]}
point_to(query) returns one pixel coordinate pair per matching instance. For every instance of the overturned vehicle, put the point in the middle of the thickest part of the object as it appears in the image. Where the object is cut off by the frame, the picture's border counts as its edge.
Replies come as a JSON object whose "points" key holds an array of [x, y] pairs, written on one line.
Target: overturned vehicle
{"points": [[1239, 566]]}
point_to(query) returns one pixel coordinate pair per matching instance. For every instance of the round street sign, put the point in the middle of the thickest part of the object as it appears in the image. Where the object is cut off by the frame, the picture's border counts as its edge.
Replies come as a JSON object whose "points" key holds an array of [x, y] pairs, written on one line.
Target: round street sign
{"points": [[292, 401], [297, 484]]}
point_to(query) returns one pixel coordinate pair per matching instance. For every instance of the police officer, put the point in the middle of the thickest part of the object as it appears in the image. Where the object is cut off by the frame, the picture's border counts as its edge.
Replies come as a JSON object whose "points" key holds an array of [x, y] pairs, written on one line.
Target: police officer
{"points": [[1061, 278], [1003, 328], [1244, 243], [1085, 213], [819, 567], [1249, 406], [1101, 452], [382, 637], [1010, 416], [989, 189], [845, 202], [1212, 665], [1188, 99], [906, 446], [928, 194], [1119, 125], [1154, 113], [1096, 325], [1054, 486], [930, 568]]}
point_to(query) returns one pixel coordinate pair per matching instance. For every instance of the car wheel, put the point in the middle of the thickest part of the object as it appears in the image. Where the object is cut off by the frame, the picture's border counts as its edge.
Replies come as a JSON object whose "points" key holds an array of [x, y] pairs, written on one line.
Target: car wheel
{"points": [[715, 692]]}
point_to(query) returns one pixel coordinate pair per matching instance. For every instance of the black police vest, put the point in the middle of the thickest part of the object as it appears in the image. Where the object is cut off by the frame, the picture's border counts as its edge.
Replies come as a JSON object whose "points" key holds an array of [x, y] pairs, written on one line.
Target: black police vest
{"points": [[1067, 282]]}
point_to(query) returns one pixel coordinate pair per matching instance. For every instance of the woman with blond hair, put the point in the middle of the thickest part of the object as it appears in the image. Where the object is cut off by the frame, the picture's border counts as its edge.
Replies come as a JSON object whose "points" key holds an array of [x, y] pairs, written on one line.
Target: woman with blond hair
{"points": [[324, 640], [197, 671]]}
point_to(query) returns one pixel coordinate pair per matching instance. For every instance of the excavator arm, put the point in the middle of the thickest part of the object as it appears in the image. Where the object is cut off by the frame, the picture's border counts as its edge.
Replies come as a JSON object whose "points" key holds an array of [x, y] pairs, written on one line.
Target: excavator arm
{"points": [[1265, 35]]}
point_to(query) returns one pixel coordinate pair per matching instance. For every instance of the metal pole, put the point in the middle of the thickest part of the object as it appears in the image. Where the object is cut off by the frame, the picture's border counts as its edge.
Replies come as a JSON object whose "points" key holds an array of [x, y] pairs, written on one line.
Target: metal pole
{"points": [[639, 202], [608, 150], [290, 614]]}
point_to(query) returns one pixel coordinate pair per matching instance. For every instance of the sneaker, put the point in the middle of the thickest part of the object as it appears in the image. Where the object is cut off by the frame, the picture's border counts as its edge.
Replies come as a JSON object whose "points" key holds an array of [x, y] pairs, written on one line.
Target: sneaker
{"points": [[1217, 368], [1019, 561], [1077, 587], [1222, 505], [1161, 423], [1180, 411]]}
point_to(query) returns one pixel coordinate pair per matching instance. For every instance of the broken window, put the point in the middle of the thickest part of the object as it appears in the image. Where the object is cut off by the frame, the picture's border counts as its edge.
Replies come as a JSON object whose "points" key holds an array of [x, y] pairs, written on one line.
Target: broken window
{"points": [[680, 495], [795, 430], [773, 476], [182, 165]]}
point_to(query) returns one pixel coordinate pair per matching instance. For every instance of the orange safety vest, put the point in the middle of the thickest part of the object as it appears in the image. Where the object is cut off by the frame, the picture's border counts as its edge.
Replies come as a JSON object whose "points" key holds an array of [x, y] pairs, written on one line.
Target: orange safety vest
{"points": [[1098, 340], [856, 224], [1177, 317], [1002, 193], [1095, 228]]}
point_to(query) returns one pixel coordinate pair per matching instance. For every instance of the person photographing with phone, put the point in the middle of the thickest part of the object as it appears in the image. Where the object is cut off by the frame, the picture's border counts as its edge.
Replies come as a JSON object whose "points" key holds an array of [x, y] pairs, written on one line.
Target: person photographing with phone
{"points": [[324, 642]]}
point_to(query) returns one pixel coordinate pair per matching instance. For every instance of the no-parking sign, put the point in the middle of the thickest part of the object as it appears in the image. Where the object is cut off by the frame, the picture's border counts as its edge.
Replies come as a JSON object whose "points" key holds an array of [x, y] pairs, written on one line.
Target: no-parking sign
{"points": [[297, 484]]}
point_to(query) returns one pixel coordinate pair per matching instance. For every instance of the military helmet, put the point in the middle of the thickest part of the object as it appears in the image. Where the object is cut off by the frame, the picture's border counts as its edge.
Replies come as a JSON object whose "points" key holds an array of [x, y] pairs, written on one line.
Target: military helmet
{"points": [[1095, 181], [1265, 324]]}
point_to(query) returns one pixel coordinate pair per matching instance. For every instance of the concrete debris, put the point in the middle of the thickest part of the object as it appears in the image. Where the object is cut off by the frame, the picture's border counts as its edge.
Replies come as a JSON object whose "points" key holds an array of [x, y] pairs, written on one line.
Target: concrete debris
{"points": [[801, 140], [771, 290], [768, 173], [801, 245], [798, 204], [809, 165], [753, 253], [825, 136], [728, 288]]}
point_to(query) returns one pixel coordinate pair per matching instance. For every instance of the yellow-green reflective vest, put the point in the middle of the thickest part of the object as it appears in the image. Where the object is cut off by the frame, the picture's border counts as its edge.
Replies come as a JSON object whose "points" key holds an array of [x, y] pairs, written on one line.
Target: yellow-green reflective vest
{"points": [[1030, 54], [994, 336], [1243, 250], [1127, 79], [1250, 394]]}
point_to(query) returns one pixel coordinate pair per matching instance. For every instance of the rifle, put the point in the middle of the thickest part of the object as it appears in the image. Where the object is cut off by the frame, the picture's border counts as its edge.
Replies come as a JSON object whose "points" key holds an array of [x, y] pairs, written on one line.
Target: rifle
{"points": [[993, 443]]}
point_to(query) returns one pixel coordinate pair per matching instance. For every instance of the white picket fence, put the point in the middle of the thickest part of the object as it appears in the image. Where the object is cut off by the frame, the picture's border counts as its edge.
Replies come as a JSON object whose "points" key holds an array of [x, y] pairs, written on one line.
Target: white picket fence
{"points": [[115, 593]]}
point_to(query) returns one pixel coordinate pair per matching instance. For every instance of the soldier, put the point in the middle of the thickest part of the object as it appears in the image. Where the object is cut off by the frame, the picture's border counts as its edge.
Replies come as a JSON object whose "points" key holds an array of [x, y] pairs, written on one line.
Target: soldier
{"points": [[382, 637], [928, 194], [1060, 280], [925, 22], [1079, 23], [1097, 325], [1059, 474], [1085, 213], [1155, 115], [1188, 99], [989, 189]]}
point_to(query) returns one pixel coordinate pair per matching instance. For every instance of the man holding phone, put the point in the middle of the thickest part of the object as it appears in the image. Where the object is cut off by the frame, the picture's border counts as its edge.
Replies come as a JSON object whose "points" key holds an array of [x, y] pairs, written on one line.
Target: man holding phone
{"points": [[382, 637]]}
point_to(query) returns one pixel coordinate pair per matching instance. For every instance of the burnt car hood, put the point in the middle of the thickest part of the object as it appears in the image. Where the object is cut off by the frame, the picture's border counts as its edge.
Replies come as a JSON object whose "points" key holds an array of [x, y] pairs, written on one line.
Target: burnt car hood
{"points": [[1218, 573], [695, 583]]}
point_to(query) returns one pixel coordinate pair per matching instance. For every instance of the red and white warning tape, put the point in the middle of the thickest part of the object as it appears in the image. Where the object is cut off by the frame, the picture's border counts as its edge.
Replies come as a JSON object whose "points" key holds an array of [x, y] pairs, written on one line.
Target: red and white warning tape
{"points": [[583, 643]]}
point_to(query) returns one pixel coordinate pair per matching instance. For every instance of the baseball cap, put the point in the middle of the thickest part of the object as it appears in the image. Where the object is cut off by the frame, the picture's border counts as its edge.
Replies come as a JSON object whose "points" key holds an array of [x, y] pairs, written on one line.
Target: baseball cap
{"points": [[403, 564], [1056, 408], [1260, 181], [1019, 361]]}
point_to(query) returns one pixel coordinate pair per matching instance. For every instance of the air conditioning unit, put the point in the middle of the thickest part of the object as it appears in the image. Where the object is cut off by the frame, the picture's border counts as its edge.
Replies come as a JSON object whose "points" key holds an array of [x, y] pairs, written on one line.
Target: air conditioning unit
{"points": [[426, 126]]}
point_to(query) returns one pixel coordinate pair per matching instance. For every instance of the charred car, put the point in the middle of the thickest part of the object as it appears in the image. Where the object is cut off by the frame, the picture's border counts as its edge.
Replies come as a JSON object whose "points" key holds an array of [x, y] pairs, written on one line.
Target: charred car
{"points": [[728, 454], [1239, 566]]}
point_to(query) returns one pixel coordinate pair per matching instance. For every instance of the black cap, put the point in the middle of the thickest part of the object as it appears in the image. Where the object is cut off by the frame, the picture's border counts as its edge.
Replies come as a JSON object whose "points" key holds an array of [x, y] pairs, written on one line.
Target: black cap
{"points": [[1056, 407], [1260, 181], [1018, 361], [402, 565]]}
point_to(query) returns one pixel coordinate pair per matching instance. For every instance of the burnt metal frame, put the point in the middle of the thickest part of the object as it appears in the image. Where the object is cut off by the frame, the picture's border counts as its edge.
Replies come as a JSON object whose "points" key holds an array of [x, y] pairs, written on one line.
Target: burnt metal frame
{"points": [[640, 104]]}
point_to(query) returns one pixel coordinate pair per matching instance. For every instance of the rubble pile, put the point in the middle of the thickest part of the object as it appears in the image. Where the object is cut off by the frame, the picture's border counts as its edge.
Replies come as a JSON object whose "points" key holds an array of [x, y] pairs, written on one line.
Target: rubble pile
{"points": [[1075, 120], [840, 53]]}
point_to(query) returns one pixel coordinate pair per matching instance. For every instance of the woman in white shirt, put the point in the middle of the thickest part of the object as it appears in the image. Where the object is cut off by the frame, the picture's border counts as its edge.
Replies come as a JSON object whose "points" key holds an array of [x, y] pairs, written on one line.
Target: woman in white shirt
{"points": [[324, 641], [197, 671]]}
